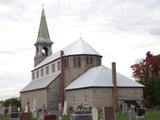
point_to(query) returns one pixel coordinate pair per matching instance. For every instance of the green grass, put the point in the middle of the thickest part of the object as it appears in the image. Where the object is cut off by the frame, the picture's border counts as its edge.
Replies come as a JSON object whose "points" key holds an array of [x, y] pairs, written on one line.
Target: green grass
{"points": [[151, 115], [4, 117]]}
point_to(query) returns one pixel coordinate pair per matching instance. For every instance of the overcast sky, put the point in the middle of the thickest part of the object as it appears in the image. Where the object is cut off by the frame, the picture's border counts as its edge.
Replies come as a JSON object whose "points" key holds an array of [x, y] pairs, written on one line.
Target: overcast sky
{"points": [[120, 30]]}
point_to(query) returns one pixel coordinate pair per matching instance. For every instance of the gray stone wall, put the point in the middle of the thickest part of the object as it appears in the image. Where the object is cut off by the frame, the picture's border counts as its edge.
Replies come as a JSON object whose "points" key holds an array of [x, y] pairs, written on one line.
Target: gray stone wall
{"points": [[130, 93], [53, 94], [100, 97], [73, 72], [78, 97], [40, 96]]}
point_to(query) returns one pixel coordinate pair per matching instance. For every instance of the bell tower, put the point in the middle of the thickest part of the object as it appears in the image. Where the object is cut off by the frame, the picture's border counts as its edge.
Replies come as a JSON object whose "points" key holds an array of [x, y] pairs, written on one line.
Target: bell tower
{"points": [[43, 44]]}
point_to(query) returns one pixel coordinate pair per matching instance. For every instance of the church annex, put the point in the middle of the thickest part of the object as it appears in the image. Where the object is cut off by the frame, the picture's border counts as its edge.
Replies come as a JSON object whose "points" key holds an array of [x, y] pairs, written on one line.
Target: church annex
{"points": [[74, 75]]}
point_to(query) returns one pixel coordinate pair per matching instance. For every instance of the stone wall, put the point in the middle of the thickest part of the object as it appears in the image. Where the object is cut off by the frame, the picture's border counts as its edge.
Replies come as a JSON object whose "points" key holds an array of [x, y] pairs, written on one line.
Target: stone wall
{"points": [[78, 97], [100, 97], [53, 94], [73, 72], [134, 93], [40, 96]]}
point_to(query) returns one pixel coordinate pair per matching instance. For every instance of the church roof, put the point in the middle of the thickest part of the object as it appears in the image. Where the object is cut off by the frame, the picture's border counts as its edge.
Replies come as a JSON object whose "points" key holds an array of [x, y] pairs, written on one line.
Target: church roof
{"points": [[43, 34], [40, 83], [79, 47], [101, 76]]}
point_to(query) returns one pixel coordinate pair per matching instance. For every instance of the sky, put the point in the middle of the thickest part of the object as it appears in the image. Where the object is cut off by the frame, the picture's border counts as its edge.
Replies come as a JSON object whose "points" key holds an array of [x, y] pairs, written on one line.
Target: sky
{"points": [[120, 30]]}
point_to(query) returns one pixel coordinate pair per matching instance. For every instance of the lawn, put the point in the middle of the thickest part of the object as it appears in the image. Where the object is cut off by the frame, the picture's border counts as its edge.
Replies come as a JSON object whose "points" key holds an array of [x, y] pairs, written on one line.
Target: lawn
{"points": [[4, 117], [148, 116], [151, 115]]}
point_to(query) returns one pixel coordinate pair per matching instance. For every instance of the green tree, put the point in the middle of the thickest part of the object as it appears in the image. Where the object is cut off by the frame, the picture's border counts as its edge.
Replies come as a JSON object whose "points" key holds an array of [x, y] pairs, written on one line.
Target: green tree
{"points": [[147, 72], [12, 101]]}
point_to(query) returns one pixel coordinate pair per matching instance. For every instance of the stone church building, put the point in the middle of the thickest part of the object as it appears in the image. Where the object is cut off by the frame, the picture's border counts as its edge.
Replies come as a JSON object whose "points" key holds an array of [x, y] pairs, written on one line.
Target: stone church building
{"points": [[74, 75]]}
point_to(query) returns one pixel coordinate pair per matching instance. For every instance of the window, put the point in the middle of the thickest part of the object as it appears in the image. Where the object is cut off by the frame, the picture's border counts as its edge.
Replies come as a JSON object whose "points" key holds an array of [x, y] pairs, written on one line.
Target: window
{"points": [[74, 62], [87, 60], [85, 96], [47, 70], [91, 60], [42, 72], [37, 74], [66, 63], [58, 65], [53, 67], [98, 61], [73, 96], [33, 75], [79, 62]]}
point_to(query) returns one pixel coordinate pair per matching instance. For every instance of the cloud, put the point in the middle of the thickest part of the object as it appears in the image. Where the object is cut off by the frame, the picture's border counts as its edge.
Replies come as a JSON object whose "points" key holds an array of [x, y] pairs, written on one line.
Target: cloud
{"points": [[7, 52], [132, 15]]}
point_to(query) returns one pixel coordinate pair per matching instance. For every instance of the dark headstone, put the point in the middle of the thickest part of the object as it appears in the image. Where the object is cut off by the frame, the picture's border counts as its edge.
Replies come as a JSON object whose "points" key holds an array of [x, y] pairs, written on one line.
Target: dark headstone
{"points": [[81, 117], [81, 114], [14, 115], [109, 113], [140, 112], [26, 116], [50, 117]]}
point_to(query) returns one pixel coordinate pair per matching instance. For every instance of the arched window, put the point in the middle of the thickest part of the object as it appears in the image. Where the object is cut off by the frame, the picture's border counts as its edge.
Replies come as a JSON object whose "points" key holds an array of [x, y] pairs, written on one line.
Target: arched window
{"points": [[45, 51]]}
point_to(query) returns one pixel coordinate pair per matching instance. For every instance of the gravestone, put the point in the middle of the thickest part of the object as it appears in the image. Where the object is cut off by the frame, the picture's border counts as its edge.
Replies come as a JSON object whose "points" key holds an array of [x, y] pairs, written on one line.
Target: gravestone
{"points": [[9, 109], [2, 110], [124, 108], [108, 113], [50, 117], [26, 116], [14, 116], [81, 113], [94, 114], [132, 113], [140, 113], [65, 108]]}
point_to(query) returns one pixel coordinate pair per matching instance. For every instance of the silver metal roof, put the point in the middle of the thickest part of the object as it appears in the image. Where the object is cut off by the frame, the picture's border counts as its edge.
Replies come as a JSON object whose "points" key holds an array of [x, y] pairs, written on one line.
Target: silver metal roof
{"points": [[101, 76], [40, 83]]}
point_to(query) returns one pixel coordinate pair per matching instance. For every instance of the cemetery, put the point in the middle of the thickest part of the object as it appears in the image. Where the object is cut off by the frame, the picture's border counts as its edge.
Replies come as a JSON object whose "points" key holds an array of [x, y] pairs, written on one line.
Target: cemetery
{"points": [[72, 84], [79, 114]]}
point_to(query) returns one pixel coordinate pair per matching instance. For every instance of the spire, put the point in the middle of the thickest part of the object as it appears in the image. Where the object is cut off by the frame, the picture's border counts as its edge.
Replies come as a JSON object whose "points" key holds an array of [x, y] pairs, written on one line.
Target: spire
{"points": [[43, 34], [43, 44]]}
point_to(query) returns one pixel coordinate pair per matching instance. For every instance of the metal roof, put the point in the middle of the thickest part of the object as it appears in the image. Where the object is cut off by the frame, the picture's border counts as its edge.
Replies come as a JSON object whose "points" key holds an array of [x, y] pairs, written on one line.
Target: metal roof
{"points": [[101, 76], [40, 83], [79, 47]]}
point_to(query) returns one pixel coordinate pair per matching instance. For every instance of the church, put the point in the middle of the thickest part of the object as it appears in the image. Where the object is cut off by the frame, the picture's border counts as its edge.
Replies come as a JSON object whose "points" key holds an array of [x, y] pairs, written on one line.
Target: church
{"points": [[74, 74]]}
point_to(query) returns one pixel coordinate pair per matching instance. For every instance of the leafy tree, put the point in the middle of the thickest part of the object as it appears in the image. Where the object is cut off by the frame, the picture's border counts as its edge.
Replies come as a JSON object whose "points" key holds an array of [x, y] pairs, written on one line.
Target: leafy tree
{"points": [[12, 101], [147, 67], [147, 72]]}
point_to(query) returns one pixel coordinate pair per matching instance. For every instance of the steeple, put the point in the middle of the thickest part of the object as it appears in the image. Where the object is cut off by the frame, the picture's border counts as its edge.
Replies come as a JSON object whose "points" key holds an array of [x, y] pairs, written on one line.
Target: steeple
{"points": [[43, 44], [43, 34]]}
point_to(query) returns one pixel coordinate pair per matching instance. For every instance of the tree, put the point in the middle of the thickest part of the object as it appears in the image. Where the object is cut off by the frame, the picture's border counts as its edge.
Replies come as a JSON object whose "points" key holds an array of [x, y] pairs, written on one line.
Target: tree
{"points": [[12, 101], [147, 68], [147, 72]]}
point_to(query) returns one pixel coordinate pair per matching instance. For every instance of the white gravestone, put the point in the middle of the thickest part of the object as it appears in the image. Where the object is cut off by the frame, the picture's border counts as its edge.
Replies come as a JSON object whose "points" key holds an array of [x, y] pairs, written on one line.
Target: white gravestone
{"points": [[26, 108], [65, 108], [132, 113], [94, 114]]}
